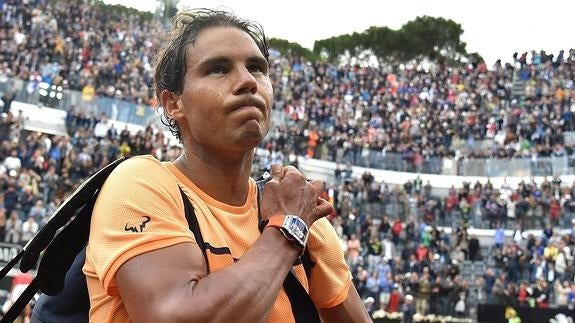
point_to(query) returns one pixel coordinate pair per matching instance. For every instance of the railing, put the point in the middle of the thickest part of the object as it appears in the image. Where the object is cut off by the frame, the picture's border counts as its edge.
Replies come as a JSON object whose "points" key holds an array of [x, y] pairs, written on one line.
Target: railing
{"points": [[58, 97], [517, 167]]}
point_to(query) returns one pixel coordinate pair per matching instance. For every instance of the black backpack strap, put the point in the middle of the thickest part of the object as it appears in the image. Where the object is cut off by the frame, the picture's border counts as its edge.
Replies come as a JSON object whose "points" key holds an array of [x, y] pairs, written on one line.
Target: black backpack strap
{"points": [[194, 226], [61, 217], [11, 264], [307, 263], [63, 249], [303, 308]]}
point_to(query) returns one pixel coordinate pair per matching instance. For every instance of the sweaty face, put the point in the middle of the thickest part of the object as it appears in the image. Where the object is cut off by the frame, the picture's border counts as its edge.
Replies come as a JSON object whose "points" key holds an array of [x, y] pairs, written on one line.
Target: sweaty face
{"points": [[227, 93]]}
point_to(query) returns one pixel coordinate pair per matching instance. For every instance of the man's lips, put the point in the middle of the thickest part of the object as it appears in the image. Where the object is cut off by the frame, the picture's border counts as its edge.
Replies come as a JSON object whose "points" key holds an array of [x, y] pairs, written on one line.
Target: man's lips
{"points": [[247, 103]]}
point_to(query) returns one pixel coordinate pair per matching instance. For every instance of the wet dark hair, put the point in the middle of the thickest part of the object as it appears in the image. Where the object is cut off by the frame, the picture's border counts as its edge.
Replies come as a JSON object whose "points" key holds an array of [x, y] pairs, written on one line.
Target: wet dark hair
{"points": [[170, 62]]}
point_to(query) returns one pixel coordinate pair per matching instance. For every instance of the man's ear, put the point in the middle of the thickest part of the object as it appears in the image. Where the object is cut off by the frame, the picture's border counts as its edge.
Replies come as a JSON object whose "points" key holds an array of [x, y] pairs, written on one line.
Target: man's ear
{"points": [[172, 104]]}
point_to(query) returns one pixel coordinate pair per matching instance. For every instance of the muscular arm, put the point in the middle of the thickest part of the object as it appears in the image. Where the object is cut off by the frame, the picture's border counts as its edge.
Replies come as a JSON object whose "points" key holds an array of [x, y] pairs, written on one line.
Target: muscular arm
{"points": [[351, 310], [170, 284]]}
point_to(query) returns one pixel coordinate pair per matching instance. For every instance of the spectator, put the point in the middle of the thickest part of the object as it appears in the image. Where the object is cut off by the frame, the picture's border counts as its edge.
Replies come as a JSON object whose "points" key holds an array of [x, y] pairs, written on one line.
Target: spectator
{"points": [[12, 162], [423, 293], [394, 299], [29, 229], [408, 310], [38, 211], [460, 304], [27, 201], [388, 250], [385, 282], [372, 287], [561, 289], [3, 223], [396, 230], [473, 248], [369, 306], [374, 251], [499, 236], [19, 284], [13, 228], [353, 250], [7, 99], [571, 298]]}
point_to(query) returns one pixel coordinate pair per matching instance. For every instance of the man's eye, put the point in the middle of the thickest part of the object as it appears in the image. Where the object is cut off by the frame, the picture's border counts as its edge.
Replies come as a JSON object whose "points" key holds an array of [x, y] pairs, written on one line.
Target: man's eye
{"points": [[257, 69], [217, 70]]}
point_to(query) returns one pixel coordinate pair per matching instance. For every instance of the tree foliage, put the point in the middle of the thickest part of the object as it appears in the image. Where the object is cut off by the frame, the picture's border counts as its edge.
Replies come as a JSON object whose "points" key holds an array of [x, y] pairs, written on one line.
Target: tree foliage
{"points": [[433, 38], [287, 47], [122, 10], [436, 39]]}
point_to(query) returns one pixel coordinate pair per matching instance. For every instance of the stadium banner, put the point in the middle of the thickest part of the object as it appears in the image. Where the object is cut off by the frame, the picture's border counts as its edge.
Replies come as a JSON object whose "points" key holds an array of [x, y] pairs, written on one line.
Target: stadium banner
{"points": [[8, 251]]}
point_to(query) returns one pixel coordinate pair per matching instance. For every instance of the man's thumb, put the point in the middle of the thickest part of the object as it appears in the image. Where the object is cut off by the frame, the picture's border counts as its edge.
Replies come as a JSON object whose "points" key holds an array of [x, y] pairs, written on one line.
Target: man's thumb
{"points": [[277, 170]]}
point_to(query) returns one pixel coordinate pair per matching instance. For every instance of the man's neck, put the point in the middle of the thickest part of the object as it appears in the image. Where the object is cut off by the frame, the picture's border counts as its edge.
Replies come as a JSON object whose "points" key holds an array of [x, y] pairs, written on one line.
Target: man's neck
{"points": [[224, 180]]}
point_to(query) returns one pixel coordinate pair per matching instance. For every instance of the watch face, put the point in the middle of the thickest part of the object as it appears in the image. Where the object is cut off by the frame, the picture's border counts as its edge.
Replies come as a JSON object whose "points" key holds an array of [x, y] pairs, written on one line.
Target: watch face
{"points": [[297, 227]]}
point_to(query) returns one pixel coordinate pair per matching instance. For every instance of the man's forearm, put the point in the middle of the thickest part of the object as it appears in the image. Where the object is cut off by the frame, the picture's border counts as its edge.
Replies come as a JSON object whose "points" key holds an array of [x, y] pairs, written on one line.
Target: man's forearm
{"points": [[247, 290]]}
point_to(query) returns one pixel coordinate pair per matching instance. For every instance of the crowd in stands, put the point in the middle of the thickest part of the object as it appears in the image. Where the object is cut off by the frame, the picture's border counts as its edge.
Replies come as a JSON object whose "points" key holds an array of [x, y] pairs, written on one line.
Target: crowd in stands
{"points": [[337, 113], [79, 47], [396, 245], [401, 242]]}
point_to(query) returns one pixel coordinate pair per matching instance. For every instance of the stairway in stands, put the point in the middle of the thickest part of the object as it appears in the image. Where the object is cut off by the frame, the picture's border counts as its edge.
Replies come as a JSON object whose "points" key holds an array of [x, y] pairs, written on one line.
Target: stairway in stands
{"points": [[518, 88]]}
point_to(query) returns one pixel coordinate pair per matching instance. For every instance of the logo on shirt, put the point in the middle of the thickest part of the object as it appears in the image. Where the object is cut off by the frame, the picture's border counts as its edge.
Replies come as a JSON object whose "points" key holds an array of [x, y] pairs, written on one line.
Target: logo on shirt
{"points": [[134, 228]]}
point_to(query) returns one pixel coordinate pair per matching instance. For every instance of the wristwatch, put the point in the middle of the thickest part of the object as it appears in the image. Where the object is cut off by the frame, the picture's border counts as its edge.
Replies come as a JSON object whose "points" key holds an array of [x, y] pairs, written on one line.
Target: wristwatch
{"points": [[292, 228]]}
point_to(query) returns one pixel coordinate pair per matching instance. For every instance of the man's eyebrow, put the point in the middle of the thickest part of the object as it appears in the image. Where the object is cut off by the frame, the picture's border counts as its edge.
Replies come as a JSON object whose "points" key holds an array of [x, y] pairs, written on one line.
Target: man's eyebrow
{"points": [[217, 60], [257, 60]]}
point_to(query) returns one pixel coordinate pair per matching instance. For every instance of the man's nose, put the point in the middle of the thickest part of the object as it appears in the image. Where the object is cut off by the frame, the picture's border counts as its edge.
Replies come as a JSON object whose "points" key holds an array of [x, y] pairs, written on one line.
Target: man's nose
{"points": [[246, 82]]}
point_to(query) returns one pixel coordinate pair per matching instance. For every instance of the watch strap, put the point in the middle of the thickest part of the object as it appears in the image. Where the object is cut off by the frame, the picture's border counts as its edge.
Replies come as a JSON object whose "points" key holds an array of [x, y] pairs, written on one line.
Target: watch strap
{"points": [[275, 221]]}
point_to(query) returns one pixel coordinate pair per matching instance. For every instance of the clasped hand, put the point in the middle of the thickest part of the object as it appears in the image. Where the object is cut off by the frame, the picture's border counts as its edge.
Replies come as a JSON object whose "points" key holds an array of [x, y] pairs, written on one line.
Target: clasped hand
{"points": [[288, 192]]}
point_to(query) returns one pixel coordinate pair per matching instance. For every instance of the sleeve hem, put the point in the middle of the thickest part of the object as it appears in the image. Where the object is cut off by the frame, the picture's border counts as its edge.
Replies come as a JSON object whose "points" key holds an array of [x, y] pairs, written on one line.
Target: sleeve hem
{"points": [[338, 299]]}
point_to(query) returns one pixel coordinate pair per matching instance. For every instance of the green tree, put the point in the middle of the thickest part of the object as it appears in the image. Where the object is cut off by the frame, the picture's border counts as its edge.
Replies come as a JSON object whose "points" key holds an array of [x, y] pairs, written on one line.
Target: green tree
{"points": [[433, 38], [286, 47], [436, 39], [122, 10], [382, 41], [341, 47]]}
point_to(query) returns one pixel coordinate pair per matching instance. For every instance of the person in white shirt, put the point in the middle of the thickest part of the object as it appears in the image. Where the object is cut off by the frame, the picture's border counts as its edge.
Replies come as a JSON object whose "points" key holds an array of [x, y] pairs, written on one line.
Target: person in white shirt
{"points": [[388, 250], [29, 229], [13, 161], [101, 129]]}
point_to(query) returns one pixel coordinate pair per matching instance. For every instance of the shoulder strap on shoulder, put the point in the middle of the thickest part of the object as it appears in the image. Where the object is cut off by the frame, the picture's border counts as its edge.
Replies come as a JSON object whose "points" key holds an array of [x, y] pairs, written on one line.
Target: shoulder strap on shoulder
{"points": [[194, 225]]}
